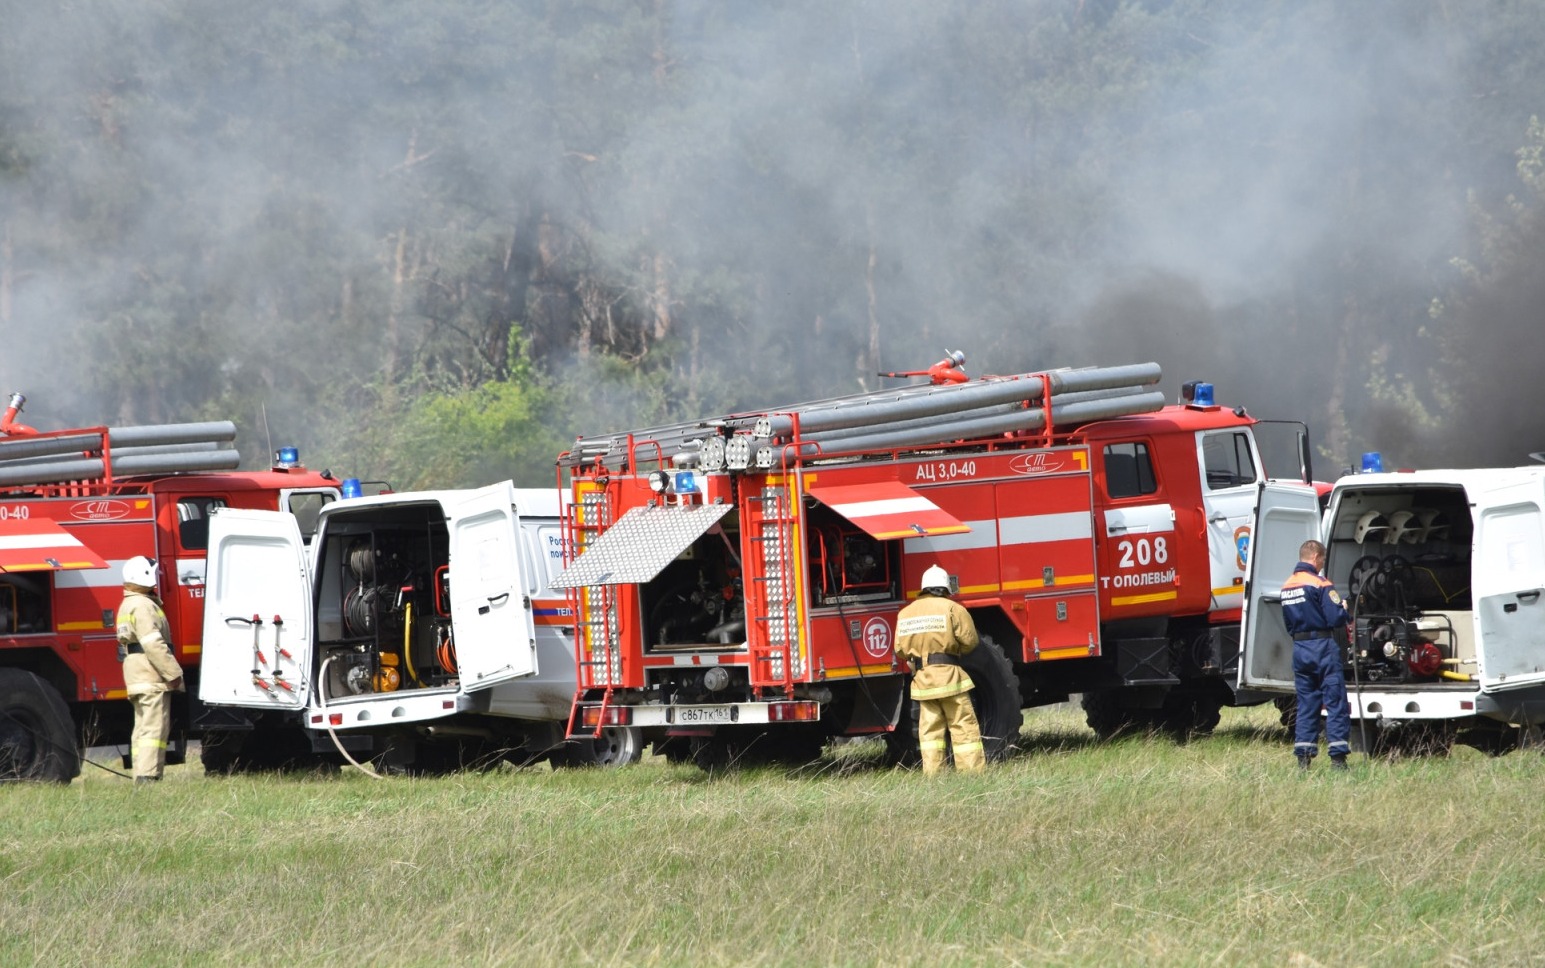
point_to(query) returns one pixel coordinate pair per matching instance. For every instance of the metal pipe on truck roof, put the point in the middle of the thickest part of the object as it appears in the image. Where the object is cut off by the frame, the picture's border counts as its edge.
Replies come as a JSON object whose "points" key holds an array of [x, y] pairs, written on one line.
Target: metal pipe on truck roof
{"points": [[90, 468], [885, 408], [27, 447], [1058, 401], [918, 402], [972, 429], [150, 435], [121, 452], [221, 431]]}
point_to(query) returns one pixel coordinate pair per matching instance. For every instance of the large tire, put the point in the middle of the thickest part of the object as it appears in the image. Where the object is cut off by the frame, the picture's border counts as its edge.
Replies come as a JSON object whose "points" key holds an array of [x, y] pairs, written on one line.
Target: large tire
{"points": [[995, 697], [220, 751], [37, 735], [263, 749], [1187, 714], [1287, 710], [616, 746], [1109, 716]]}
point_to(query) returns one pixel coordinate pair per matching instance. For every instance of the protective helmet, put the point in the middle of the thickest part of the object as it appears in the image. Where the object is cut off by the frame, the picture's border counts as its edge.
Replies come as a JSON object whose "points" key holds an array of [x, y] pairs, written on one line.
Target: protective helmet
{"points": [[141, 571], [936, 577], [1370, 522], [1403, 526], [1434, 525]]}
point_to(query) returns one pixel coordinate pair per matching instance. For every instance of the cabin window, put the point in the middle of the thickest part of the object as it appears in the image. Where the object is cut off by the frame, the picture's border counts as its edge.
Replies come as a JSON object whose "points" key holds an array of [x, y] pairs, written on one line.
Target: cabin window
{"points": [[1128, 470], [306, 506], [1227, 460], [193, 521]]}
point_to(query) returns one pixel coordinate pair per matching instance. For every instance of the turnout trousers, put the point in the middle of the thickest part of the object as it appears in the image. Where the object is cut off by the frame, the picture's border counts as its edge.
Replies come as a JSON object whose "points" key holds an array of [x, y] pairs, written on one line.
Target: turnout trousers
{"points": [[152, 726], [953, 715]]}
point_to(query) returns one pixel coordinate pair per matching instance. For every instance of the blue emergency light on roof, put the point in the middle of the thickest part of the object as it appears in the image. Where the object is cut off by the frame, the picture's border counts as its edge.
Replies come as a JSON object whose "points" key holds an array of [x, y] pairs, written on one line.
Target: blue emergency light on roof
{"points": [[287, 457], [685, 483], [351, 487], [1373, 462], [1203, 395]]}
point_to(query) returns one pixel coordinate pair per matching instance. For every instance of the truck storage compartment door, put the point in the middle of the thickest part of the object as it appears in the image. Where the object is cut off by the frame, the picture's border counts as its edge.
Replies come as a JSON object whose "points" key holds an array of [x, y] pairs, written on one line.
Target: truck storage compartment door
{"points": [[490, 612], [640, 545], [888, 510], [1286, 516], [1508, 569], [257, 612], [38, 544]]}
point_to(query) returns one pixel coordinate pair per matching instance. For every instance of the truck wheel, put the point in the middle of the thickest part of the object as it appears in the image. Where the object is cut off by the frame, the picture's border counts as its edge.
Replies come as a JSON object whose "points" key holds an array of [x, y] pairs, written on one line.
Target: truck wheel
{"points": [[616, 746], [1287, 710], [219, 751], [1109, 716], [1187, 714], [995, 697], [901, 742], [37, 736]]}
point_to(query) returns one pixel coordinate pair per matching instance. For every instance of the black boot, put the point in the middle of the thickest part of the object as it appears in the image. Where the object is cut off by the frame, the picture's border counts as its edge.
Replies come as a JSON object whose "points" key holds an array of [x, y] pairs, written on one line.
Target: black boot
{"points": [[1338, 762], [1304, 760]]}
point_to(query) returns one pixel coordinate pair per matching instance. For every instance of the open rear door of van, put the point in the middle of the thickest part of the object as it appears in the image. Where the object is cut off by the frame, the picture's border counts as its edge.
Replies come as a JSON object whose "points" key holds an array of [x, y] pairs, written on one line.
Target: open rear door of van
{"points": [[1508, 585], [257, 612], [1287, 515], [490, 610]]}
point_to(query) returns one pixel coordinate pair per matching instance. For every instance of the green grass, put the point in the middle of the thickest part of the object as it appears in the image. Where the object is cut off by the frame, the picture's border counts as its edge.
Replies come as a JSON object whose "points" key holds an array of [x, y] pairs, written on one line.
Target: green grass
{"points": [[1139, 852]]}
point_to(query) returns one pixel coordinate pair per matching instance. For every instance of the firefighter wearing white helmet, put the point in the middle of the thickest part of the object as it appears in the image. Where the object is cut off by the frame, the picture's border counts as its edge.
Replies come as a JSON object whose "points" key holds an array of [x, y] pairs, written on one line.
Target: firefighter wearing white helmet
{"points": [[150, 670], [933, 633]]}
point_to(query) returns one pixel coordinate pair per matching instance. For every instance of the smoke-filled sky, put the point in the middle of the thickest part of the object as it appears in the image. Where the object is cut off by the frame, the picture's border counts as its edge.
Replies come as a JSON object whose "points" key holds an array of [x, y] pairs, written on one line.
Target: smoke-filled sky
{"points": [[1264, 194]]}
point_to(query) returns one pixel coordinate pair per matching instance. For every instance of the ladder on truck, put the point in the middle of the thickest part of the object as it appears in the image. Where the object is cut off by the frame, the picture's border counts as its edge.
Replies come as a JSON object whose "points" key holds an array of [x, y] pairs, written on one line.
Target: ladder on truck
{"points": [[772, 632], [596, 647]]}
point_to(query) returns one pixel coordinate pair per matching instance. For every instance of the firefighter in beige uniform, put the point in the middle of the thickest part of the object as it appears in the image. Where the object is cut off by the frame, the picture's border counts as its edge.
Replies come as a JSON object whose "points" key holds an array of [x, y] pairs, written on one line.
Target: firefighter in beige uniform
{"points": [[150, 670], [932, 633]]}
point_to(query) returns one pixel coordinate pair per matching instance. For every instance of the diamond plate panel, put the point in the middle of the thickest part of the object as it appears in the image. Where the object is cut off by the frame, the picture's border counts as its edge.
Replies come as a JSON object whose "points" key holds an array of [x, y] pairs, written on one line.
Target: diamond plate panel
{"points": [[640, 545]]}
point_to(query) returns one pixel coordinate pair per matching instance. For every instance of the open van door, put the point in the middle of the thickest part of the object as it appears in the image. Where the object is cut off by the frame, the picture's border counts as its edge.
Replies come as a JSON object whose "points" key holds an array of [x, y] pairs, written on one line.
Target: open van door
{"points": [[1287, 515], [1508, 582], [490, 611], [257, 612]]}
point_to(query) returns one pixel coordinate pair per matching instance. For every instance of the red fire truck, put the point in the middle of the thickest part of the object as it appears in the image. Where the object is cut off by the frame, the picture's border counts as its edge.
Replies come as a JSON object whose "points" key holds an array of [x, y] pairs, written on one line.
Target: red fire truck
{"points": [[74, 506], [736, 580]]}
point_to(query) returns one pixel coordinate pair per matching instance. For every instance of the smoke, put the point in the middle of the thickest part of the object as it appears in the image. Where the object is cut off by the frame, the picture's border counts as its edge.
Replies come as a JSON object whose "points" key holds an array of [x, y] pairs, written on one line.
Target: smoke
{"points": [[1260, 195]]}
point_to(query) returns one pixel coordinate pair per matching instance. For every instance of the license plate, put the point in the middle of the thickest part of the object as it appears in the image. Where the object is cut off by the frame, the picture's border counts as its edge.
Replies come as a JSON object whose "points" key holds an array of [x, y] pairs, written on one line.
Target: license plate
{"points": [[704, 715]]}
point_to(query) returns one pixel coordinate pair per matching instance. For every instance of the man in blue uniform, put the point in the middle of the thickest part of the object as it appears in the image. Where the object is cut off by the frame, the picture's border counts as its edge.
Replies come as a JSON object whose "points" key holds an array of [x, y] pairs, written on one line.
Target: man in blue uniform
{"points": [[1313, 611]]}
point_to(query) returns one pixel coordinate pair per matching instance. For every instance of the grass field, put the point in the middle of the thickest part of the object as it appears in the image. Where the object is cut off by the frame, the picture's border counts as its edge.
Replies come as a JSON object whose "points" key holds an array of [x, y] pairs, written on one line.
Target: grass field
{"points": [[1138, 852]]}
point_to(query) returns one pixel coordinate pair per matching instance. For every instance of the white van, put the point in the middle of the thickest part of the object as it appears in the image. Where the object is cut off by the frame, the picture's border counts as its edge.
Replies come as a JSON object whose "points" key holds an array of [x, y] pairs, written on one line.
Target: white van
{"points": [[1443, 572], [417, 629]]}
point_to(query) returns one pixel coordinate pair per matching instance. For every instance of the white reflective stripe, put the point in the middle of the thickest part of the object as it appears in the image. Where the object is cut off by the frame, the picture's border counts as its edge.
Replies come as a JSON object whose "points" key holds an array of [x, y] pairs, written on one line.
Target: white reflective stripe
{"points": [[53, 539], [879, 506], [983, 534], [1036, 528], [917, 624], [109, 577]]}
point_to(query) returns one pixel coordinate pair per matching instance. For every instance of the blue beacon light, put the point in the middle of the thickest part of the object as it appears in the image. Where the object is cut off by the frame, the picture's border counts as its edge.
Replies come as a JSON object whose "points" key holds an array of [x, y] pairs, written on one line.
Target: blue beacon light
{"points": [[1373, 462]]}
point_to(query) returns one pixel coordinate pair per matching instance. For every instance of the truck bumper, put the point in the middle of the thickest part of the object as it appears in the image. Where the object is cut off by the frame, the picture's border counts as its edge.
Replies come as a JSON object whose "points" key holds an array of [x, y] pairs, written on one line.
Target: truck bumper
{"points": [[693, 718]]}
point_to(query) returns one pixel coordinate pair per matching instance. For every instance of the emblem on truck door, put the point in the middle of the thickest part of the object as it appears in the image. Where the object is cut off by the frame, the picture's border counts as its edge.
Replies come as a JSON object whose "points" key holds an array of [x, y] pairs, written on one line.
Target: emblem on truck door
{"points": [[877, 637]]}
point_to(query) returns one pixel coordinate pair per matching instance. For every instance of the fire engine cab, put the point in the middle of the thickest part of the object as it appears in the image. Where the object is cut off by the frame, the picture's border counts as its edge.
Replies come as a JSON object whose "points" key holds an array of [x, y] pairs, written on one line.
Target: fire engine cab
{"points": [[74, 506], [736, 580]]}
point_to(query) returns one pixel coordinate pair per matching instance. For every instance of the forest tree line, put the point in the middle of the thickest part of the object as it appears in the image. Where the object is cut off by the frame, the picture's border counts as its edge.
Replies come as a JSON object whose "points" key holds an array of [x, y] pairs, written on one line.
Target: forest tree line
{"points": [[433, 242]]}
